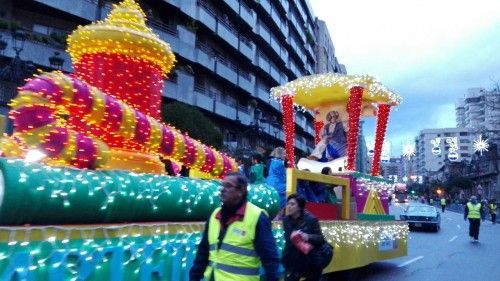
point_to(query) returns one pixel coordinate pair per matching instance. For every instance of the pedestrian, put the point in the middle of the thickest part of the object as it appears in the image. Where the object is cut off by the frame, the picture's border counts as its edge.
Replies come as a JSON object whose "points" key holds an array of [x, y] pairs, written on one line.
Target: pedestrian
{"points": [[277, 173], [493, 211], [474, 212], [299, 259], [237, 239], [257, 170], [443, 204]]}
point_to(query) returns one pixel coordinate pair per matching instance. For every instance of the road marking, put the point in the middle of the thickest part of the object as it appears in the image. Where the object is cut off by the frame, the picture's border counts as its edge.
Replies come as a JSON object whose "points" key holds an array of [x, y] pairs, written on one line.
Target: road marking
{"points": [[454, 237], [459, 227], [411, 261], [450, 219]]}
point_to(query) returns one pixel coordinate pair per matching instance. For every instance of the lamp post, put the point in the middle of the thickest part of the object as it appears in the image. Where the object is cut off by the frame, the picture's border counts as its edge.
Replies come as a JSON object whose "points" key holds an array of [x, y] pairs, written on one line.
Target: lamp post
{"points": [[56, 61], [13, 74]]}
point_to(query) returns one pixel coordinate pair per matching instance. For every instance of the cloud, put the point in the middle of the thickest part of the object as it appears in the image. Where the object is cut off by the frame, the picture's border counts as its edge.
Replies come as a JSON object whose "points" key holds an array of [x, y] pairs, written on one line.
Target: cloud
{"points": [[429, 52]]}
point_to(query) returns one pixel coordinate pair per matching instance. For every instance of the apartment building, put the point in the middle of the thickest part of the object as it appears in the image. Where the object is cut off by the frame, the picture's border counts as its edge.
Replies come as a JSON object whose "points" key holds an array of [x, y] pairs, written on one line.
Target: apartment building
{"points": [[229, 53]]}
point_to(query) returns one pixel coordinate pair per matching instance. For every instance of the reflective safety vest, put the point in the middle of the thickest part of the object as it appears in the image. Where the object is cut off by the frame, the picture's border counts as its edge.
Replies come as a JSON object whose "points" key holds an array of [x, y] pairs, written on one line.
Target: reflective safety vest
{"points": [[236, 259], [443, 201], [474, 210], [493, 208]]}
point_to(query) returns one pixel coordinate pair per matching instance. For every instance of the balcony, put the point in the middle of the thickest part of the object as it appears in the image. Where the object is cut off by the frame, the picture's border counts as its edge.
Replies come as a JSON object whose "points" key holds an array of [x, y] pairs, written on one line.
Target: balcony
{"points": [[284, 4], [38, 52], [266, 5], [182, 89], [227, 33], [226, 72], [246, 82], [275, 45], [225, 110], [246, 48], [244, 115], [275, 73], [248, 15], [204, 100], [262, 94], [205, 59], [82, 9], [234, 5], [167, 33], [263, 31], [263, 63], [207, 17]]}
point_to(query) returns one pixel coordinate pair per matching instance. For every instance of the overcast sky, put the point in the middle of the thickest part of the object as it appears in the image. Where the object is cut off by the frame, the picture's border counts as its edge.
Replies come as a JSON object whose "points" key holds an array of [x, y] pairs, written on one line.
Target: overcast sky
{"points": [[427, 51]]}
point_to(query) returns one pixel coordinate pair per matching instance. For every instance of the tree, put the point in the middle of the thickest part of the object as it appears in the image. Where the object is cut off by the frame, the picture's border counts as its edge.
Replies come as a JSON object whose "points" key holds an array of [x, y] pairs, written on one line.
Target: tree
{"points": [[455, 183], [191, 120]]}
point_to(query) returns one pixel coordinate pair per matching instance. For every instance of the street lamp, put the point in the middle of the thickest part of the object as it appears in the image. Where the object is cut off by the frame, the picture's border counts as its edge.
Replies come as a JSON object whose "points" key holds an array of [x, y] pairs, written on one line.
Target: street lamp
{"points": [[56, 61], [18, 39], [3, 45]]}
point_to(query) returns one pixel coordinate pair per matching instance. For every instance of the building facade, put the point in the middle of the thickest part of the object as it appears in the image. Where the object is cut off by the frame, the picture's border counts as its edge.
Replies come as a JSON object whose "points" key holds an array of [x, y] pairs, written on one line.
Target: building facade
{"points": [[434, 146], [480, 110], [229, 54], [325, 51]]}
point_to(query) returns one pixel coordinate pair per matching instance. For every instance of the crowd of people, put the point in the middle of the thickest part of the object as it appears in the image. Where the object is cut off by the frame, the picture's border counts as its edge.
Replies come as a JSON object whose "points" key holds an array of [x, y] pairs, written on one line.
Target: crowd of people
{"points": [[272, 171]]}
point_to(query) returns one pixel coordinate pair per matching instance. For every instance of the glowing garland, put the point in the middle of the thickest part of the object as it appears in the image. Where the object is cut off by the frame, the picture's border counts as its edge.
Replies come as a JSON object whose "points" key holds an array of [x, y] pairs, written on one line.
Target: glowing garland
{"points": [[110, 122], [382, 118], [307, 84], [139, 249], [354, 111], [84, 196]]}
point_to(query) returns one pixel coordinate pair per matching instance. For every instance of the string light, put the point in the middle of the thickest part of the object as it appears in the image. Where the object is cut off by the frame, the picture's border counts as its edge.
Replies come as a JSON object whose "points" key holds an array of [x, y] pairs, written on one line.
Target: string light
{"points": [[110, 195], [122, 250], [382, 118]]}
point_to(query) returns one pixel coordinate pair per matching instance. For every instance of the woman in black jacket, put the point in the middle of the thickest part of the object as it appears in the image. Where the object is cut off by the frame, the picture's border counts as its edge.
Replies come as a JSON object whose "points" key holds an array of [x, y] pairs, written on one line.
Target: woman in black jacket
{"points": [[296, 263]]}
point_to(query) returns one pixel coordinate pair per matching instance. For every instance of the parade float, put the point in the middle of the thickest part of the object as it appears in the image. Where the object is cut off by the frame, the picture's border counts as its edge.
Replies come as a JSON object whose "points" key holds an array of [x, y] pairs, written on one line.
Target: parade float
{"points": [[83, 191], [358, 224]]}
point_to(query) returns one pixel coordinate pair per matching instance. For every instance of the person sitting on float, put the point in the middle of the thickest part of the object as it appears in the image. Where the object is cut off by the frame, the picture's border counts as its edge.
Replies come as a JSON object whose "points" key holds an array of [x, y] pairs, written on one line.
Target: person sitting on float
{"points": [[333, 143]]}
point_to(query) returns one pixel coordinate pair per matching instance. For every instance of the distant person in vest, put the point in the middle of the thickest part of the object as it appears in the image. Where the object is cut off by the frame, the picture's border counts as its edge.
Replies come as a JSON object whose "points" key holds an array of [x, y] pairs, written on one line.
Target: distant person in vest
{"points": [[237, 240], [493, 211], [443, 204], [333, 143], [474, 212]]}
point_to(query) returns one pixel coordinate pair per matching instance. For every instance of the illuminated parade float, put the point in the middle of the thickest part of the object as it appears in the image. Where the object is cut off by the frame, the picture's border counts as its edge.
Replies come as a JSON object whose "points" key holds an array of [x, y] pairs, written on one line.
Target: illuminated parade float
{"points": [[358, 224], [98, 204]]}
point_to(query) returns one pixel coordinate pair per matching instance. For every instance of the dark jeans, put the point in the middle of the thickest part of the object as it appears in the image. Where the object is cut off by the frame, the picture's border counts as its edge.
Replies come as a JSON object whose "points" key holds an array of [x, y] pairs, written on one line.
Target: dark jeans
{"points": [[293, 276], [494, 218], [442, 208], [474, 228]]}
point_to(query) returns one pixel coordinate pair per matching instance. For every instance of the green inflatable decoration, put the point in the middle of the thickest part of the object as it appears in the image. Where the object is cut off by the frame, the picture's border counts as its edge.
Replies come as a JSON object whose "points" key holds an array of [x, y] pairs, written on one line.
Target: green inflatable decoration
{"points": [[31, 193]]}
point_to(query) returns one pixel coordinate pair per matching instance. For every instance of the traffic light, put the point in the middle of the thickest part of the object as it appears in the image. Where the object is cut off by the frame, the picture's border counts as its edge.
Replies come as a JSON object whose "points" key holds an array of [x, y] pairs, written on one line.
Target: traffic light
{"points": [[413, 192]]}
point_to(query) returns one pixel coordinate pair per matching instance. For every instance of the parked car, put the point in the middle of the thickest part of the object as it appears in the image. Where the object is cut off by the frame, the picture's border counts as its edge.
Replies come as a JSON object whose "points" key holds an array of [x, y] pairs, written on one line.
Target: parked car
{"points": [[422, 216]]}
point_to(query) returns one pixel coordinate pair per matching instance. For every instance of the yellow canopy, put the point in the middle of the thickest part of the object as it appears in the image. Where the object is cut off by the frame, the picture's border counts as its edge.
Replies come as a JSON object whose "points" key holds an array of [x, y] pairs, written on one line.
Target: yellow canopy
{"points": [[322, 90]]}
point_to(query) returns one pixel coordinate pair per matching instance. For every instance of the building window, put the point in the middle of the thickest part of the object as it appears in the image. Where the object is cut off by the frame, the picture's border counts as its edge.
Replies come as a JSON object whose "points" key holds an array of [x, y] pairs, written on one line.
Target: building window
{"points": [[464, 141], [464, 134], [464, 148]]}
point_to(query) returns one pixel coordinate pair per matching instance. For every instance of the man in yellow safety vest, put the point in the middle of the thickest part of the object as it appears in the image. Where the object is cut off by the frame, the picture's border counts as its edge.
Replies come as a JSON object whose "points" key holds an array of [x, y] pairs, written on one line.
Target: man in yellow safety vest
{"points": [[237, 240], [493, 211], [443, 204], [474, 212]]}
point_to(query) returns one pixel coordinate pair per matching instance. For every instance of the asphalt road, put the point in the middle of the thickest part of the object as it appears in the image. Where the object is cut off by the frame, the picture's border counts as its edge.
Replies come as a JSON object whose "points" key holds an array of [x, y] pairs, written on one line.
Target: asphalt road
{"points": [[445, 255]]}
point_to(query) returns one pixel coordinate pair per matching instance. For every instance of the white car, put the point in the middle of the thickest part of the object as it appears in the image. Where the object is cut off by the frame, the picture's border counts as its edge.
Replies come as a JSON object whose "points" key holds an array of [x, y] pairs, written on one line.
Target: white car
{"points": [[422, 216]]}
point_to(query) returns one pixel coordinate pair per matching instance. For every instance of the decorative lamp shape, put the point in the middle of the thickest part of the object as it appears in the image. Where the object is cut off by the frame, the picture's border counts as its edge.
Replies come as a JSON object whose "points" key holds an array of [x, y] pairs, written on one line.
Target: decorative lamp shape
{"points": [[123, 57]]}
